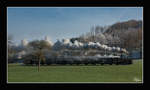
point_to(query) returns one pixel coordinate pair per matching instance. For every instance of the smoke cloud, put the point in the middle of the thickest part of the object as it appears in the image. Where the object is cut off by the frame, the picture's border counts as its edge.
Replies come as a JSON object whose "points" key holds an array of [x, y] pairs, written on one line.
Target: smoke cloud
{"points": [[66, 43]]}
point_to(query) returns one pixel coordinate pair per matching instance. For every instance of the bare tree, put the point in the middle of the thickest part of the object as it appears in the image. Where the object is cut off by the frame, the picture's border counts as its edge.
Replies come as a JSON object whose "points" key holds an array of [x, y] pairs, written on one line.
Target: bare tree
{"points": [[38, 46], [11, 51]]}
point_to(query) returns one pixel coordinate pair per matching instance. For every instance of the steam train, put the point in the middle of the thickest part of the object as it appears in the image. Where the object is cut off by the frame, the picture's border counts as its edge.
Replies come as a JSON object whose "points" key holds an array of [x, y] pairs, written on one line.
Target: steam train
{"points": [[78, 59], [93, 60]]}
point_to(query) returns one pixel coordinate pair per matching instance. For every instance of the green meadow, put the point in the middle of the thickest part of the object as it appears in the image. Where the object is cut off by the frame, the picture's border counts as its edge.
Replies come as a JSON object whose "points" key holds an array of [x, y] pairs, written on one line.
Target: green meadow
{"points": [[81, 73]]}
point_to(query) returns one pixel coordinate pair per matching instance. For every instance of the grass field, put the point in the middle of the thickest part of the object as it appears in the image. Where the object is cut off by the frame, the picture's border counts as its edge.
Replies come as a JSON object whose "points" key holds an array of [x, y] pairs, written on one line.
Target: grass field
{"points": [[106, 73]]}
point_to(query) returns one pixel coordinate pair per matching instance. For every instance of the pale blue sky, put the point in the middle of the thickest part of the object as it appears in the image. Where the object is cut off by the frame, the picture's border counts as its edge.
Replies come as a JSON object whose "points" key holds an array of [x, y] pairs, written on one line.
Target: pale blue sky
{"points": [[59, 22]]}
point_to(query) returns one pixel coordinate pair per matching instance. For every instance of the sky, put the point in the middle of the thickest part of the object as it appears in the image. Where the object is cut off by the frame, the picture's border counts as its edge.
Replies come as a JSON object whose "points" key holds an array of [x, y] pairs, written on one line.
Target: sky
{"points": [[63, 22]]}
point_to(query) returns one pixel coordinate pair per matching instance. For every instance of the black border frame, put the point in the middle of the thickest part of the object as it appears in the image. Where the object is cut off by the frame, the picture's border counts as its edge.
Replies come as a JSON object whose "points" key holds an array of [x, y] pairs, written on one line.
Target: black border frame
{"points": [[56, 3]]}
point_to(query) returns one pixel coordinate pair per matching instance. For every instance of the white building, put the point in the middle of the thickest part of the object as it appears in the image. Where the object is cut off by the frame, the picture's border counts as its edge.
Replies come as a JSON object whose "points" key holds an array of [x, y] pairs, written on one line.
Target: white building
{"points": [[24, 42], [48, 40]]}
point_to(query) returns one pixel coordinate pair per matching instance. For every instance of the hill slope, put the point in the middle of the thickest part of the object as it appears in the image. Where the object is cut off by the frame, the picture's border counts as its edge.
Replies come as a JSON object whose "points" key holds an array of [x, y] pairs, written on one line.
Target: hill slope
{"points": [[122, 27]]}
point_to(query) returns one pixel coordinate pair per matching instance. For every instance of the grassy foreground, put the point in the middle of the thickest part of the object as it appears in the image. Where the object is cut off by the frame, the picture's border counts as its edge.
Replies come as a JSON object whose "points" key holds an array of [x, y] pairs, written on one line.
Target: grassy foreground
{"points": [[106, 73]]}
